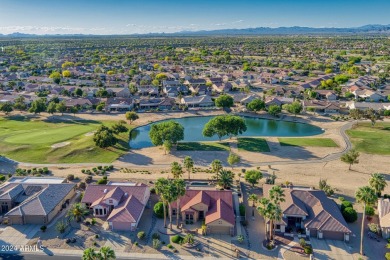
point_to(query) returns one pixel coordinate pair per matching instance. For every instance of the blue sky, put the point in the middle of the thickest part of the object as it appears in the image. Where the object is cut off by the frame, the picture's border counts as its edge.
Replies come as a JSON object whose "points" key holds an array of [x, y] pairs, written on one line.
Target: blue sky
{"points": [[144, 16]]}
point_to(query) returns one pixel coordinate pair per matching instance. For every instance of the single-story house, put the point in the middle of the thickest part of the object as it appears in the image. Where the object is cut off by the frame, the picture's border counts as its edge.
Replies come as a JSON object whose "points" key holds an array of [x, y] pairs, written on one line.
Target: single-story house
{"points": [[384, 217], [121, 203], [214, 207], [244, 99], [197, 101], [310, 212], [34, 201], [329, 95], [222, 87], [199, 89], [119, 104], [165, 103], [319, 106], [367, 105]]}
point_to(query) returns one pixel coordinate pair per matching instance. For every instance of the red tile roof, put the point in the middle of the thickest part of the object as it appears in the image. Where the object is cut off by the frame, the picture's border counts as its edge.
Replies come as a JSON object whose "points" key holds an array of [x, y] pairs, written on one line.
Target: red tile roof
{"points": [[128, 211]]}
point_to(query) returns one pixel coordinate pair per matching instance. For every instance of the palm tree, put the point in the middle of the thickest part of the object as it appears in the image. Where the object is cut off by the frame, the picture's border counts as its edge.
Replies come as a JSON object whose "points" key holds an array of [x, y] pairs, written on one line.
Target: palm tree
{"points": [[176, 170], [170, 194], [180, 191], [265, 210], [378, 182], [276, 194], [366, 196], [275, 215], [254, 199], [225, 179], [216, 166], [90, 254], [106, 253], [77, 212], [161, 183], [189, 165]]}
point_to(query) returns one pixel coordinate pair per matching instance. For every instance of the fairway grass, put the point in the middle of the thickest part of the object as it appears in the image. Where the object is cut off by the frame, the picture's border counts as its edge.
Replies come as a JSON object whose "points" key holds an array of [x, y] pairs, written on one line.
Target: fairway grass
{"points": [[371, 140], [253, 145], [309, 142], [26, 140], [202, 146]]}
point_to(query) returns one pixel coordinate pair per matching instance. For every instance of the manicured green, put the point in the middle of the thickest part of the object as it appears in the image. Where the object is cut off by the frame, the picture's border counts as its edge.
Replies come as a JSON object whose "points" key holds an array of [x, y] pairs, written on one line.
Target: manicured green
{"points": [[202, 146], [28, 139], [253, 144], [371, 139], [315, 142]]}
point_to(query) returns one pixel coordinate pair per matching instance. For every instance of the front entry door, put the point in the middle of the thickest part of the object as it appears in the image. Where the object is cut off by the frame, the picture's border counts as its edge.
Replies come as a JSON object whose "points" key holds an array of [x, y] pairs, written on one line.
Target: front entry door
{"points": [[201, 215]]}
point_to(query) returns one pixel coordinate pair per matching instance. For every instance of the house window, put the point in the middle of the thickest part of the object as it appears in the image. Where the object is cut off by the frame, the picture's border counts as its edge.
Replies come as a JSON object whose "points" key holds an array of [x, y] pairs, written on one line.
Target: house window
{"points": [[174, 212], [277, 227], [220, 222]]}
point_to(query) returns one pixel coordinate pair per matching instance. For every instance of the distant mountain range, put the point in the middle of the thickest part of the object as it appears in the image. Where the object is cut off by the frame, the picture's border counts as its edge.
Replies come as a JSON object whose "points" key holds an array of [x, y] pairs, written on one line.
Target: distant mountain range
{"points": [[295, 30]]}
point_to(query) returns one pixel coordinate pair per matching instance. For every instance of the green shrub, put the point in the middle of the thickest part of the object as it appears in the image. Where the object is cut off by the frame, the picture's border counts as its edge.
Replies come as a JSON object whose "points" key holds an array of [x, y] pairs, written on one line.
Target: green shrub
{"points": [[386, 113], [93, 221], [96, 236], [170, 246], [153, 190], [177, 239], [158, 209], [43, 228], [100, 167], [136, 243], [302, 242], [70, 177], [346, 204], [102, 181], [2, 177], [156, 243], [350, 215], [341, 199], [370, 211], [308, 250], [240, 239], [82, 171], [156, 236], [242, 209], [141, 235]]}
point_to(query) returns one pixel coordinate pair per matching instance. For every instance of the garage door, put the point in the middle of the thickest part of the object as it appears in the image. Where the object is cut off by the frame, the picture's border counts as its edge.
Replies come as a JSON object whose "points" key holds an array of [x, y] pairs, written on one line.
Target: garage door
{"points": [[15, 220], [333, 235], [220, 230]]}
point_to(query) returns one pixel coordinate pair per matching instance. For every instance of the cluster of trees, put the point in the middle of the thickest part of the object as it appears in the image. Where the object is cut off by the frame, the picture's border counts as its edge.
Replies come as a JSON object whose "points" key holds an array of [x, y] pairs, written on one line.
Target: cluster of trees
{"points": [[225, 125], [105, 253], [369, 114], [105, 136]]}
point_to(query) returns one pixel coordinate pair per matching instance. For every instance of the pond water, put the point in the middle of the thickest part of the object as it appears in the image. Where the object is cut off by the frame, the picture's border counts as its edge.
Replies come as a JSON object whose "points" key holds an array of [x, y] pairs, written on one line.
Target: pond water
{"points": [[193, 127]]}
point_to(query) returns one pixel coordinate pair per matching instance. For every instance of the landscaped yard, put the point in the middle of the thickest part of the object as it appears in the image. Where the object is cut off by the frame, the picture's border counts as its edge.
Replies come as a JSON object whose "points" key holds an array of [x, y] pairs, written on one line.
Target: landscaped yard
{"points": [[202, 146], [30, 140], [368, 139], [316, 142], [253, 144]]}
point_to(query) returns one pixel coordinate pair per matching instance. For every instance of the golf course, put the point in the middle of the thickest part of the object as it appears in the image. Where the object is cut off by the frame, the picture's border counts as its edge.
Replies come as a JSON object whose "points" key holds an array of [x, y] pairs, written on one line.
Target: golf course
{"points": [[36, 140]]}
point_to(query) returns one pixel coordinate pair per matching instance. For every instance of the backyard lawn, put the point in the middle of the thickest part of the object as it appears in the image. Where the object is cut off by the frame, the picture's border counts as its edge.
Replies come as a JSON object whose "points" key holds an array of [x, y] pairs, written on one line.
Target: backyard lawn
{"points": [[253, 144], [202, 146], [372, 140], [30, 140], [316, 142]]}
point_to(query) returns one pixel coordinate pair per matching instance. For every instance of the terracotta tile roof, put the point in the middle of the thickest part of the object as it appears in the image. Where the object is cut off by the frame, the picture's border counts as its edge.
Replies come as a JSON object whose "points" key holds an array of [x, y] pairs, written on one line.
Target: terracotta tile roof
{"points": [[220, 204], [220, 210], [115, 194], [128, 211]]}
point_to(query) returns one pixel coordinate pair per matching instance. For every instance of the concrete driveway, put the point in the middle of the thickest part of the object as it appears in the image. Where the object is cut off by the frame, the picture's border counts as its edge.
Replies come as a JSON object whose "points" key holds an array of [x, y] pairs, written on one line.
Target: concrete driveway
{"points": [[17, 235], [330, 249]]}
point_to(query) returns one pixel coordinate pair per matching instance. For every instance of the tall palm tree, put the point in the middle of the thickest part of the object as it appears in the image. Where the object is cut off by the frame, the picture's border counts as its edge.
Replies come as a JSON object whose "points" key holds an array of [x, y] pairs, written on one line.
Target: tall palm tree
{"points": [[216, 166], [189, 165], [378, 182], [254, 199], [225, 179], [264, 209], [365, 195], [161, 183], [106, 253], [77, 212], [275, 215], [170, 194], [176, 170], [90, 254], [276, 194], [180, 191]]}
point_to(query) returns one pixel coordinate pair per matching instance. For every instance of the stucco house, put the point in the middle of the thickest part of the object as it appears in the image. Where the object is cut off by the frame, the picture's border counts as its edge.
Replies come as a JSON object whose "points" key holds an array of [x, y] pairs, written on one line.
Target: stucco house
{"points": [[320, 106], [311, 213], [121, 203], [384, 217], [197, 101], [214, 207], [34, 200]]}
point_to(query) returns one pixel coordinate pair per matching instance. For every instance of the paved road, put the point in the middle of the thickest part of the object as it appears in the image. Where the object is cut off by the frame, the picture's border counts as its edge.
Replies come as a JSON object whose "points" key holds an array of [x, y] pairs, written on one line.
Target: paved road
{"points": [[330, 157]]}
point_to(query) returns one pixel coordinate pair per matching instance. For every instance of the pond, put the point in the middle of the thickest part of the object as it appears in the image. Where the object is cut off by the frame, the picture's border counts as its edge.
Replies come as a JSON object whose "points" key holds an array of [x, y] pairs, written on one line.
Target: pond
{"points": [[193, 127]]}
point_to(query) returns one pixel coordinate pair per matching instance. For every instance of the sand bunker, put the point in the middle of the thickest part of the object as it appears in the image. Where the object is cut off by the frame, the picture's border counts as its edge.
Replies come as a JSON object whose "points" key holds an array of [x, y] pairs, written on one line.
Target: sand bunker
{"points": [[58, 145], [89, 133]]}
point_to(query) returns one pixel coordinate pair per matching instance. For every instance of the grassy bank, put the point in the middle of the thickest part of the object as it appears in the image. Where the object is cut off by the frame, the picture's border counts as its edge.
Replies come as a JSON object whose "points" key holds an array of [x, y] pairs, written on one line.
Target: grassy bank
{"points": [[202, 146], [372, 140], [28, 139], [314, 142], [253, 144]]}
